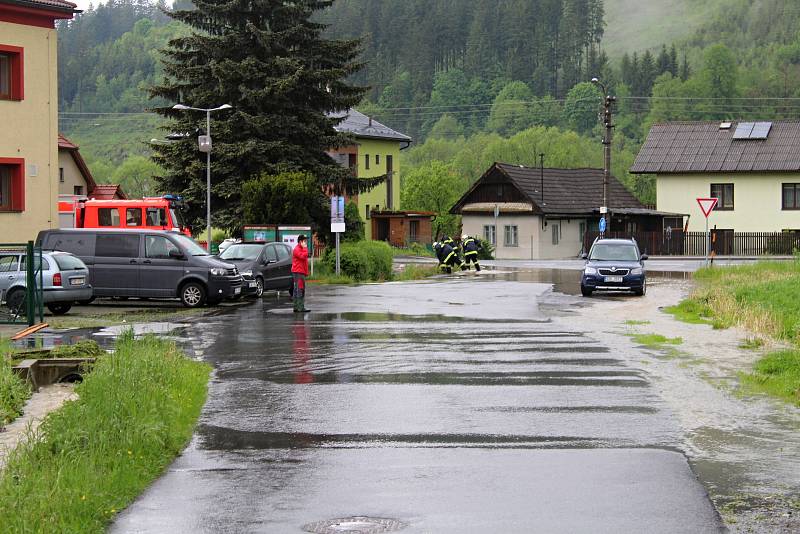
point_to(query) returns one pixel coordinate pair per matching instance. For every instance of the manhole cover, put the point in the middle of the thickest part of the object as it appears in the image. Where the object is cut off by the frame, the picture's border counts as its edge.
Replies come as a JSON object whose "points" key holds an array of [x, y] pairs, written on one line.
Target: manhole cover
{"points": [[355, 525]]}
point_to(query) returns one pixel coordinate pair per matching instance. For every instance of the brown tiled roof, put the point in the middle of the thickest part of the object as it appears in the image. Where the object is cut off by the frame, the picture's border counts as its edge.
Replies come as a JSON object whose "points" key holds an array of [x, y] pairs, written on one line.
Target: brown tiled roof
{"points": [[58, 5], [704, 147], [107, 192], [566, 191], [63, 142]]}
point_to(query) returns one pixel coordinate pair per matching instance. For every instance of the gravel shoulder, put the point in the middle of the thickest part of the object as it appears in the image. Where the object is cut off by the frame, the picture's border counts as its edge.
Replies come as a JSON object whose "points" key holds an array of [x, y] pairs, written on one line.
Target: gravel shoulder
{"points": [[744, 448]]}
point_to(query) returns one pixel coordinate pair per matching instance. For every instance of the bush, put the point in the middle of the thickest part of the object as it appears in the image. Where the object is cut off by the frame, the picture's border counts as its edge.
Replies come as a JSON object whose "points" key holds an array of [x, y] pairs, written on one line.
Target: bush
{"points": [[354, 231], [362, 261]]}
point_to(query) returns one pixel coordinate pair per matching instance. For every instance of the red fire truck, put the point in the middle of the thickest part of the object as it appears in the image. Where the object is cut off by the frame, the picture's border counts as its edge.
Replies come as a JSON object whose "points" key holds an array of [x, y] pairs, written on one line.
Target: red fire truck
{"points": [[156, 213]]}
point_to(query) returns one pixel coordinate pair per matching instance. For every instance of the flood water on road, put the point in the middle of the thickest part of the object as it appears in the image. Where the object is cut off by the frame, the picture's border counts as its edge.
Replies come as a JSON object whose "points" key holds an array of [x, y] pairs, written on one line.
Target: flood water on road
{"points": [[445, 405]]}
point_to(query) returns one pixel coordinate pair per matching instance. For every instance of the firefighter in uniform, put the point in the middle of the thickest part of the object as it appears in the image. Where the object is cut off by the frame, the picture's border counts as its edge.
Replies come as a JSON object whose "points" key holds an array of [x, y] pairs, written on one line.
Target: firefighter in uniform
{"points": [[452, 244], [471, 248], [447, 257]]}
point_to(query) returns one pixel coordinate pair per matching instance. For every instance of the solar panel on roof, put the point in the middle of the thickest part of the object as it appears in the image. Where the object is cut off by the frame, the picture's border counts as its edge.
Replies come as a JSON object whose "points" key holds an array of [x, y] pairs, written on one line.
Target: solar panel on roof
{"points": [[743, 130], [761, 130]]}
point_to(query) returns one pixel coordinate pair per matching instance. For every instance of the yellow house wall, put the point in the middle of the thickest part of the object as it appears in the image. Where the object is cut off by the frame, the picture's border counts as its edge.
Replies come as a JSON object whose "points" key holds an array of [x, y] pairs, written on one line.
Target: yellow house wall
{"points": [[72, 175], [377, 197], [756, 197], [30, 131]]}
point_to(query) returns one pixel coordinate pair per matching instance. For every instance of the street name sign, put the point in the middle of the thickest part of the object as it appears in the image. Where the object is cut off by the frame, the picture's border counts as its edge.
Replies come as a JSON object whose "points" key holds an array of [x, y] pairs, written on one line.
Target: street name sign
{"points": [[707, 205]]}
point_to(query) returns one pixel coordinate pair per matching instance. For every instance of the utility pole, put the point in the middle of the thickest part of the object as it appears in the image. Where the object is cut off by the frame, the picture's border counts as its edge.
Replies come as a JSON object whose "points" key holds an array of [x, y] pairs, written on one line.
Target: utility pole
{"points": [[608, 105]]}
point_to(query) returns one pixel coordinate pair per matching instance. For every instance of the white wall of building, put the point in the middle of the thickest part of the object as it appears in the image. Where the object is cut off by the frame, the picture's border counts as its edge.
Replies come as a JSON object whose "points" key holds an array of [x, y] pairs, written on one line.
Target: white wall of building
{"points": [[533, 241]]}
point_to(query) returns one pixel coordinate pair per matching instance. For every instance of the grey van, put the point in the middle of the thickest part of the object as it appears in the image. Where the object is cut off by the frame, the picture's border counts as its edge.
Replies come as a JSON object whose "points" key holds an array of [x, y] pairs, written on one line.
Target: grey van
{"points": [[147, 263]]}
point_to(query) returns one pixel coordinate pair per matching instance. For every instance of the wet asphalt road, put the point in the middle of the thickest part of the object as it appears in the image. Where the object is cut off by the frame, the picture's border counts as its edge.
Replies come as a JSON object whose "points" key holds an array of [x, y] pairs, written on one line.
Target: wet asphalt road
{"points": [[414, 402]]}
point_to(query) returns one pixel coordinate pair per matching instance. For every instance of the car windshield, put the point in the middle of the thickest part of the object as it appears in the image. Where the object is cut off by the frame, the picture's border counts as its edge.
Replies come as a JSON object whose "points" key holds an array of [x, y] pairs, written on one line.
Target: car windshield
{"points": [[68, 262], [615, 252], [190, 245], [241, 252]]}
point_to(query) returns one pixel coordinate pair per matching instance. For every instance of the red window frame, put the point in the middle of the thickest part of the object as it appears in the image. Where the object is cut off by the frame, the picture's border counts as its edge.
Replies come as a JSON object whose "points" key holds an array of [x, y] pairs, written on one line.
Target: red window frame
{"points": [[17, 201], [17, 54]]}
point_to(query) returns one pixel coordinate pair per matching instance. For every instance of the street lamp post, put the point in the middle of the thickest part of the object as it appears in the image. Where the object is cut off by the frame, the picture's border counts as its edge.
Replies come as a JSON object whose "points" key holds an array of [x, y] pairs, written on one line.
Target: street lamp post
{"points": [[205, 146], [608, 103]]}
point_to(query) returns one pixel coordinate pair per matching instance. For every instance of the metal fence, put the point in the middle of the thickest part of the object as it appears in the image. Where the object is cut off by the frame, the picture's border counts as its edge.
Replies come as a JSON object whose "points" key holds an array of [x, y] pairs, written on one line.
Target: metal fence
{"points": [[21, 302], [722, 242]]}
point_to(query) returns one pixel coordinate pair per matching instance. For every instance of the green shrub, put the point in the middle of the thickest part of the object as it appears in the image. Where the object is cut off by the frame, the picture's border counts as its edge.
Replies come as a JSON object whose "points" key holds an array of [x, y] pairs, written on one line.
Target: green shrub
{"points": [[135, 412], [362, 261]]}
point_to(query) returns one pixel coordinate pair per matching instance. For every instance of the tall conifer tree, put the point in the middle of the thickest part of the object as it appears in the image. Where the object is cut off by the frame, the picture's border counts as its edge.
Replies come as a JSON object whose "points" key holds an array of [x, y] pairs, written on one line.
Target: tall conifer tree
{"points": [[272, 64]]}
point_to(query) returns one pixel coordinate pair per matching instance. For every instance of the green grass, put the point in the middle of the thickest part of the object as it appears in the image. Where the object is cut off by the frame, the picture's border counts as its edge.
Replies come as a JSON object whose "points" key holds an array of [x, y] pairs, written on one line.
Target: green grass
{"points": [[776, 374], [655, 340], [636, 323], [691, 311], [13, 391], [764, 298], [415, 249], [416, 272], [135, 412]]}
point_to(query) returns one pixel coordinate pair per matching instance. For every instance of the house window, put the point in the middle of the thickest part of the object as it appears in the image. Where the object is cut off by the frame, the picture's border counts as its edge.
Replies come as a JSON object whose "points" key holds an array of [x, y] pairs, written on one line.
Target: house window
{"points": [[77, 190], [511, 236], [791, 197], [61, 175], [11, 73], [12, 184], [723, 192], [556, 233], [367, 210], [377, 159], [366, 162], [489, 234], [413, 231]]}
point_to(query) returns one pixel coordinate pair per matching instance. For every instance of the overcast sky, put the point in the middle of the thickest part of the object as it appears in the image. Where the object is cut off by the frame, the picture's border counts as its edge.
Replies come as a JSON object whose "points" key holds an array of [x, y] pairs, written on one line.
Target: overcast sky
{"points": [[83, 4]]}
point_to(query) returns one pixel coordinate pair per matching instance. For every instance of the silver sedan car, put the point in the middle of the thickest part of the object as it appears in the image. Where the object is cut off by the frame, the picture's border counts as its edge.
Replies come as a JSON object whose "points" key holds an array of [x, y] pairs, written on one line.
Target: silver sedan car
{"points": [[65, 281]]}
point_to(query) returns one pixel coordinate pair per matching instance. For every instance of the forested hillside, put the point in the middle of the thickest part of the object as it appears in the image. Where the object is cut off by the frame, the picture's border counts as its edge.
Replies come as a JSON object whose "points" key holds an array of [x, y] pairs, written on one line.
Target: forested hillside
{"points": [[444, 70]]}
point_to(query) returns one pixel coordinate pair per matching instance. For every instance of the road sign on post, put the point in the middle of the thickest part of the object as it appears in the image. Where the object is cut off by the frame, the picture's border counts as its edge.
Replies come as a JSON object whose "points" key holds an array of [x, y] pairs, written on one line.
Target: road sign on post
{"points": [[707, 205], [337, 224]]}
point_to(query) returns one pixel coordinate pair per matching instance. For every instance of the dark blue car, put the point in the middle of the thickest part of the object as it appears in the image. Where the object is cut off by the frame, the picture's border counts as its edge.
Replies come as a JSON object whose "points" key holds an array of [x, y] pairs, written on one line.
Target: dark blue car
{"points": [[614, 265]]}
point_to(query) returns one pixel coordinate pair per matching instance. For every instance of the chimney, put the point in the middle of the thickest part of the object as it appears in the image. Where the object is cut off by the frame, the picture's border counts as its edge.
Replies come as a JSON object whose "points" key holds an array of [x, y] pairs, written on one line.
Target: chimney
{"points": [[370, 121]]}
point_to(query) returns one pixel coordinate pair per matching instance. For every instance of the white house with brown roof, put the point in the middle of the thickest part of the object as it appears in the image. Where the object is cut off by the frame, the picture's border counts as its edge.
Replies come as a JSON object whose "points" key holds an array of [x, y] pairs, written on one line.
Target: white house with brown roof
{"points": [[548, 213], [752, 168], [75, 178]]}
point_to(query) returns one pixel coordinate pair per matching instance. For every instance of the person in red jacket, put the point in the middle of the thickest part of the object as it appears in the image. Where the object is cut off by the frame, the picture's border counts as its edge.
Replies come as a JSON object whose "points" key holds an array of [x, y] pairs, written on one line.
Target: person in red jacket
{"points": [[299, 273]]}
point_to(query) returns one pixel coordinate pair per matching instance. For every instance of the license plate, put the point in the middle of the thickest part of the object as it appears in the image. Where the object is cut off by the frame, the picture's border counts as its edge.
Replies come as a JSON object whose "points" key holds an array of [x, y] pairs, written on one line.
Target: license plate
{"points": [[237, 290], [77, 281], [252, 284], [613, 279]]}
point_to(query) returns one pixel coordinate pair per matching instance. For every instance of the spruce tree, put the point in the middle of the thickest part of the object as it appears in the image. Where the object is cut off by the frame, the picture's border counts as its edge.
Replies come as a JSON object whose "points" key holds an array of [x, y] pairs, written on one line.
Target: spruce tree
{"points": [[271, 62]]}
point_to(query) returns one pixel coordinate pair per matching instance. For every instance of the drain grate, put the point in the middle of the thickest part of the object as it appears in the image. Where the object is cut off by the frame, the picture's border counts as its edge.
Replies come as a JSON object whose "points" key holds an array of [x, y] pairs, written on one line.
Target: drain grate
{"points": [[355, 525]]}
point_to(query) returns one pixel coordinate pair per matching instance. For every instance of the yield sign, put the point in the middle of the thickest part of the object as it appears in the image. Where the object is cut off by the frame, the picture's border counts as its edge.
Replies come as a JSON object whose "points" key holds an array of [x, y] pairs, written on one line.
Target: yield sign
{"points": [[707, 205]]}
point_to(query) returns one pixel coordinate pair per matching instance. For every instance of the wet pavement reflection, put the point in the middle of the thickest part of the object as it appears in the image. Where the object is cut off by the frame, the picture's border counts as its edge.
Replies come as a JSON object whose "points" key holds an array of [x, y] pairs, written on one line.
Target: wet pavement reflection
{"points": [[447, 405]]}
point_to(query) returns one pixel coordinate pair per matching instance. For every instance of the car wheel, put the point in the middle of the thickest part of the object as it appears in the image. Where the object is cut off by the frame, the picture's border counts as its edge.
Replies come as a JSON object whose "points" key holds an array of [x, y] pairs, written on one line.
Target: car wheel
{"points": [[59, 308], [193, 294], [259, 287], [15, 300], [86, 302], [641, 292], [585, 291], [291, 290]]}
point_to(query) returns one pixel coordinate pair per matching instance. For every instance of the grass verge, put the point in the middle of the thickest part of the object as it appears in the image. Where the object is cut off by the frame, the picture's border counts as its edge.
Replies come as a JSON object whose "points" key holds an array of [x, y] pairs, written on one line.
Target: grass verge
{"points": [[764, 298], [88, 460], [13, 391], [777, 374]]}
